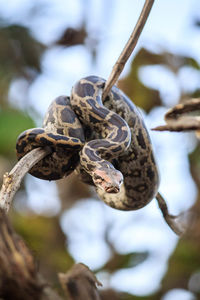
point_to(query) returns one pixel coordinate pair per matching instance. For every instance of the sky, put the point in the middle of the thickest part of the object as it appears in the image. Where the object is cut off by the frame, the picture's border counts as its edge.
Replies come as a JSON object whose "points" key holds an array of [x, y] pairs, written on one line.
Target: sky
{"points": [[169, 27]]}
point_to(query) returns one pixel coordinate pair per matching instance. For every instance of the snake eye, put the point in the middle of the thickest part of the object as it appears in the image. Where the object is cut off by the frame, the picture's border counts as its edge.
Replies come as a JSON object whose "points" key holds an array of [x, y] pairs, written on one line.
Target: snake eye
{"points": [[97, 177]]}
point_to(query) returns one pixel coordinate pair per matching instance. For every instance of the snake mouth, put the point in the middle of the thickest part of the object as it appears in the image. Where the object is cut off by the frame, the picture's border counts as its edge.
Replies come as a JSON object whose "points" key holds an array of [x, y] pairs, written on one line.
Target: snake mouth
{"points": [[112, 189]]}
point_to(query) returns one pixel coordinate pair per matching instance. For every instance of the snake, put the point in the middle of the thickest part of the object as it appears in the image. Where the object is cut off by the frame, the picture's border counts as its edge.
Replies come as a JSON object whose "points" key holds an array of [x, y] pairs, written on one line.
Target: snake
{"points": [[105, 141], [62, 133]]}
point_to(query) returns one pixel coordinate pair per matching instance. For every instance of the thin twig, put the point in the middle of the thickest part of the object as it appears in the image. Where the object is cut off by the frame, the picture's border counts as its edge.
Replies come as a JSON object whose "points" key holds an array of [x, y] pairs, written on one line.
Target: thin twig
{"points": [[128, 49], [12, 180]]}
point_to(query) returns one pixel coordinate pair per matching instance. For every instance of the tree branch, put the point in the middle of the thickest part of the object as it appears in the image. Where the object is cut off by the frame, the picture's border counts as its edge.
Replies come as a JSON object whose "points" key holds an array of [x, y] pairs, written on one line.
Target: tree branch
{"points": [[183, 117], [12, 180], [179, 224], [79, 283], [129, 47], [19, 277]]}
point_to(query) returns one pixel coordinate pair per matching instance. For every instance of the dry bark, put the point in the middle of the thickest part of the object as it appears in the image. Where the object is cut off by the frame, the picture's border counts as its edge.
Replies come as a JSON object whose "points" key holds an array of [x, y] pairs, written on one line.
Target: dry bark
{"points": [[19, 277], [80, 283]]}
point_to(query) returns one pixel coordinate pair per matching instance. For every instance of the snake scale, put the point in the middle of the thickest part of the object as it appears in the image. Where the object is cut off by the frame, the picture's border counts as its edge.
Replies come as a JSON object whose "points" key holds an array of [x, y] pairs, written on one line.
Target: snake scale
{"points": [[105, 142]]}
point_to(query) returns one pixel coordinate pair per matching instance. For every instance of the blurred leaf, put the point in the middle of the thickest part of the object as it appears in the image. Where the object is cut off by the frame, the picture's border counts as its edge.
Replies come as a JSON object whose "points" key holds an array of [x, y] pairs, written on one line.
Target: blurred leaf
{"points": [[195, 94], [121, 261], [142, 95], [19, 50], [191, 62], [72, 37], [185, 260], [195, 165], [12, 123], [197, 23], [19, 56], [45, 237]]}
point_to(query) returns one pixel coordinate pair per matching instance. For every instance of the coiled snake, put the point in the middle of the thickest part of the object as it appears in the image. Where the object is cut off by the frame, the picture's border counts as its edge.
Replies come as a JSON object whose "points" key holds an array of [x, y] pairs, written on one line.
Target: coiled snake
{"points": [[106, 143]]}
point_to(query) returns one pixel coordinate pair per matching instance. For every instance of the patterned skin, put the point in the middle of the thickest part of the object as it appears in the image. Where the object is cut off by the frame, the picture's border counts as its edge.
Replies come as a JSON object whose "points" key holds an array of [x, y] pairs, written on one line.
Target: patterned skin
{"points": [[62, 133], [105, 142], [121, 142]]}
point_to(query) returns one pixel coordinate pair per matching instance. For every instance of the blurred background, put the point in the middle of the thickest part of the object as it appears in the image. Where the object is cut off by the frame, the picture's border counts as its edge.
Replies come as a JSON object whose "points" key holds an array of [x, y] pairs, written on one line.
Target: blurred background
{"points": [[45, 47]]}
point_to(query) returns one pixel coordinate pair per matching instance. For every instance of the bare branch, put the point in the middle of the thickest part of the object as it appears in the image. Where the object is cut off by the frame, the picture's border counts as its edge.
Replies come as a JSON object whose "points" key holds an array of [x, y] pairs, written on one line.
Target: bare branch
{"points": [[79, 283], [182, 124], [12, 180], [183, 117], [129, 47], [179, 224]]}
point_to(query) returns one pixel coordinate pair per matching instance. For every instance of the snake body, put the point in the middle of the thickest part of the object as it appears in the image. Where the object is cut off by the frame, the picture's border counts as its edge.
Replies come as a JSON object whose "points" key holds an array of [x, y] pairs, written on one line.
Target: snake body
{"points": [[63, 133], [105, 141]]}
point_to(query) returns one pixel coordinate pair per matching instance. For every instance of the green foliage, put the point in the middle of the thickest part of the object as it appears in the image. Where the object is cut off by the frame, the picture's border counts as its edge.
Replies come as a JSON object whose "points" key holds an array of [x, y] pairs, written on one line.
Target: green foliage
{"points": [[19, 50], [141, 95], [146, 97], [12, 123], [122, 261], [46, 240], [19, 57]]}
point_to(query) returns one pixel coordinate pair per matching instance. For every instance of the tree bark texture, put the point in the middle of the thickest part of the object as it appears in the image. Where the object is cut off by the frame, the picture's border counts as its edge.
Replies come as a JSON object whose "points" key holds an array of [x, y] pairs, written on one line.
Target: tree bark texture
{"points": [[19, 278]]}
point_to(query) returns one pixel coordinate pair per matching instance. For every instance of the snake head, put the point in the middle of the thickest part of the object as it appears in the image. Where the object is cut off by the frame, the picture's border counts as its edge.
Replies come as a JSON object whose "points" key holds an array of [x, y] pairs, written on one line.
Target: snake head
{"points": [[107, 179]]}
